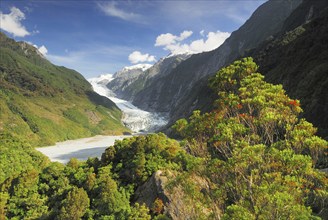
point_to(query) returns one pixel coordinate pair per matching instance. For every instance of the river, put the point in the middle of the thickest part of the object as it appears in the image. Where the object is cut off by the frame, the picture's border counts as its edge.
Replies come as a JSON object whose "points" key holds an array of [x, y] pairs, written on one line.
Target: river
{"points": [[81, 149], [134, 118]]}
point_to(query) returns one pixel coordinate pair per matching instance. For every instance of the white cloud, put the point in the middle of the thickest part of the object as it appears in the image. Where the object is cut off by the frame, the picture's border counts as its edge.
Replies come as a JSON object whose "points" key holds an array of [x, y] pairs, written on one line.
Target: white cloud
{"points": [[110, 9], [184, 35], [138, 57], [202, 33], [169, 39], [43, 50], [12, 22], [165, 39], [174, 44], [214, 40]]}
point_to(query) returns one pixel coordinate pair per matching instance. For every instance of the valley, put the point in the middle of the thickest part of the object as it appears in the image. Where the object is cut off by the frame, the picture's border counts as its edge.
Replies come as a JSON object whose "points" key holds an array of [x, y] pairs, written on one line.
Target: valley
{"points": [[222, 115]]}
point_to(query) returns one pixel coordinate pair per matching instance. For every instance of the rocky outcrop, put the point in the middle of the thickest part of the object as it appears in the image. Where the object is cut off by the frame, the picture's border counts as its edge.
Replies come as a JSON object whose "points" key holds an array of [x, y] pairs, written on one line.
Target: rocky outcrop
{"points": [[178, 202], [152, 189], [132, 83], [122, 80]]}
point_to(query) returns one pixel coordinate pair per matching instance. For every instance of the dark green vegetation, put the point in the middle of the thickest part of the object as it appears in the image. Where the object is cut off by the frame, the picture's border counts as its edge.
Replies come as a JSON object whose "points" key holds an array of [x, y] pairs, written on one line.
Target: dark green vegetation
{"points": [[249, 158], [301, 54], [95, 189], [17, 155], [44, 103]]}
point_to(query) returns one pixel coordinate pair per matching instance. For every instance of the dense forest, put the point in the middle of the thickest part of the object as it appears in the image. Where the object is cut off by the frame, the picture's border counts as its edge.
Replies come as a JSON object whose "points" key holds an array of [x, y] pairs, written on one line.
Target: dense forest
{"points": [[251, 157]]}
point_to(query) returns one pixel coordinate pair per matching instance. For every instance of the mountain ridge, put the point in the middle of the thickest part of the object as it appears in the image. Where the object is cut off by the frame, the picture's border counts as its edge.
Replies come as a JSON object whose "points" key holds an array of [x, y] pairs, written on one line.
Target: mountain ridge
{"points": [[178, 91], [44, 103]]}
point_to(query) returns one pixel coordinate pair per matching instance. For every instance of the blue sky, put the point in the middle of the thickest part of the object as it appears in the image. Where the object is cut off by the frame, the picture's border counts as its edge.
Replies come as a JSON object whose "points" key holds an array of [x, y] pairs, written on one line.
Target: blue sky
{"points": [[96, 37]]}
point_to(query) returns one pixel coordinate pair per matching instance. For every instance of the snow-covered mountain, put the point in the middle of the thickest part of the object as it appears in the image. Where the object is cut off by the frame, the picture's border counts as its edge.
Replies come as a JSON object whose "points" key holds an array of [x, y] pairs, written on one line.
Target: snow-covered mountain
{"points": [[129, 81], [142, 66]]}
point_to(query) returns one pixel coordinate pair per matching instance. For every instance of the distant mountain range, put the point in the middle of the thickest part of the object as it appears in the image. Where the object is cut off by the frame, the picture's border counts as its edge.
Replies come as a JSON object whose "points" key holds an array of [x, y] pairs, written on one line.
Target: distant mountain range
{"points": [[43, 103], [284, 37]]}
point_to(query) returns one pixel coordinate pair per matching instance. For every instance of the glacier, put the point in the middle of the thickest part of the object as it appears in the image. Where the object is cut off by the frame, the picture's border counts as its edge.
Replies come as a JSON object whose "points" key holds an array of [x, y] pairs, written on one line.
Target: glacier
{"points": [[137, 120]]}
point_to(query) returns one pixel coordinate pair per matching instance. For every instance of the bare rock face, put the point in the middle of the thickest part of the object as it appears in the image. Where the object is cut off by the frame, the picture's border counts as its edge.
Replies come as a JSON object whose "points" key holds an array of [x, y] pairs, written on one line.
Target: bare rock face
{"points": [[179, 203], [152, 189]]}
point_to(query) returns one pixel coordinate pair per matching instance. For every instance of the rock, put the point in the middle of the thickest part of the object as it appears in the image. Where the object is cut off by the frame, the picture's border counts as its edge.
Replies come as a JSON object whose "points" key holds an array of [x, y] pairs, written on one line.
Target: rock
{"points": [[178, 204]]}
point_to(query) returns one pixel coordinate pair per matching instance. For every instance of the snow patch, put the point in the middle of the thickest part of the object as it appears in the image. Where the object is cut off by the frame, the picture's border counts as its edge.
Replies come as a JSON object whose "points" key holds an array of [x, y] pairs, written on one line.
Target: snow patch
{"points": [[142, 66]]}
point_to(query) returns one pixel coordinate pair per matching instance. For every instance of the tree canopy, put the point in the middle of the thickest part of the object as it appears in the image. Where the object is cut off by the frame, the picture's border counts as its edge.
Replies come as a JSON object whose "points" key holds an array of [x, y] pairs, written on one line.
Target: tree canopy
{"points": [[252, 157]]}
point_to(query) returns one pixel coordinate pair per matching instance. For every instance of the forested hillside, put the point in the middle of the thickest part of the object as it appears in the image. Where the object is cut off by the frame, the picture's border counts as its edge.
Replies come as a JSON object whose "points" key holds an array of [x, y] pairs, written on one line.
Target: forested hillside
{"points": [[43, 103], [298, 59], [249, 158]]}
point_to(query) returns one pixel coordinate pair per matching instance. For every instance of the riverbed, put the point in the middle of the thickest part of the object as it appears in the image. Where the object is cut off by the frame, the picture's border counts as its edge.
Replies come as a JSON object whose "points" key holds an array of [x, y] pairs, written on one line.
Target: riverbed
{"points": [[81, 149], [134, 118]]}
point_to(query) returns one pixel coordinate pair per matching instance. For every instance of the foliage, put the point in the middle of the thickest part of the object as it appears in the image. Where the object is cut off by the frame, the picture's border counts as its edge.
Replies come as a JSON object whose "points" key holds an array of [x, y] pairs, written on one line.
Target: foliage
{"points": [[92, 189], [137, 158], [75, 204], [259, 151], [252, 157], [17, 156], [140, 212], [158, 206]]}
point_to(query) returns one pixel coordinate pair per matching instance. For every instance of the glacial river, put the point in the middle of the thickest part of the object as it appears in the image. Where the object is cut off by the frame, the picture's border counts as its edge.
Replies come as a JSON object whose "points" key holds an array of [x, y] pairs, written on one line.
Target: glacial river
{"points": [[81, 149], [134, 118]]}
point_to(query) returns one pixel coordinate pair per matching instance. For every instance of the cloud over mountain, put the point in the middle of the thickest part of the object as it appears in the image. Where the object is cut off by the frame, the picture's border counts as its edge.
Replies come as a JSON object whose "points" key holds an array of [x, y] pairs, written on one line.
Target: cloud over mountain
{"points": [[12, 22], [169, 39], [173, 43], [138, 57], [43, 50]]}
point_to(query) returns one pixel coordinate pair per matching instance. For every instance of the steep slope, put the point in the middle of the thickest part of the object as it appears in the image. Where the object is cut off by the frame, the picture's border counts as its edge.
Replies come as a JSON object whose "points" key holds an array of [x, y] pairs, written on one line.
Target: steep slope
{"points": [[121, 84], [177, 91], [131, 81], [295, 57], [44, 103], [299, 60]]}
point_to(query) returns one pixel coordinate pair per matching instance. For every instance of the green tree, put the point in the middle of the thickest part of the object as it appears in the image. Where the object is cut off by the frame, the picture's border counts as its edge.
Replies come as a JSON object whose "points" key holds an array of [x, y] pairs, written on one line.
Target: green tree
{"points": [[25, 201], [109, 200], [261, 155], [137, 158], [75, 204], [139, 212]]}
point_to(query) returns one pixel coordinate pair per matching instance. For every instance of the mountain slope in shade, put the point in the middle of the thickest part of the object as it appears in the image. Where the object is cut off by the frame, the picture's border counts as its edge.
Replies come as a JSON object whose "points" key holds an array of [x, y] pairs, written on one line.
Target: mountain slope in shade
{"points": [[298, 59], [44, 103], [183, 88], [135, 81]]}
